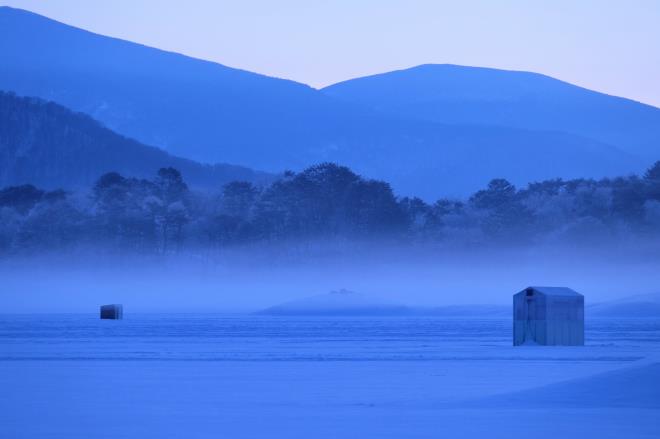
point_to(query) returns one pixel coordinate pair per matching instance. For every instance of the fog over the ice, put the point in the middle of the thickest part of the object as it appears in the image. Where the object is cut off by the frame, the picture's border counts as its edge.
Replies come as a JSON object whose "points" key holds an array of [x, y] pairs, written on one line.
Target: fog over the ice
{"points": [[251, 279]]}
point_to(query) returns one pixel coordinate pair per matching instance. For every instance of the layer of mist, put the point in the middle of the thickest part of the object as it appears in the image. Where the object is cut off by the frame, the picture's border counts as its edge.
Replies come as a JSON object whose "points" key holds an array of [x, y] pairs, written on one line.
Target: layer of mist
{"points": [[251, 279]]}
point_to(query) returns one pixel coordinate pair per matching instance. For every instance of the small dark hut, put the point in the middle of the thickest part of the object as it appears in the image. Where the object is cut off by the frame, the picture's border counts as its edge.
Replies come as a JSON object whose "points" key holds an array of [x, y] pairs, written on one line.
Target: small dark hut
{"points": [[112, 312]]}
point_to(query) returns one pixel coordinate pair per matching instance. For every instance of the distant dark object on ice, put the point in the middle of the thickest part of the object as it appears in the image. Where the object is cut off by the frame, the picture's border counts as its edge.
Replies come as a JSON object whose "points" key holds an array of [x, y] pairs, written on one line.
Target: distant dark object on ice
{"points": [[338, 303], [113, 312], [548, 316]]}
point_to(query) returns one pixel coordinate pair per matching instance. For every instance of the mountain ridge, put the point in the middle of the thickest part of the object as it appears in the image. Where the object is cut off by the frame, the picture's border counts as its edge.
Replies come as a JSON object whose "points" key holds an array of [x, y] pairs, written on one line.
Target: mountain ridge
{"points": [[450, 93], [209, 112]]}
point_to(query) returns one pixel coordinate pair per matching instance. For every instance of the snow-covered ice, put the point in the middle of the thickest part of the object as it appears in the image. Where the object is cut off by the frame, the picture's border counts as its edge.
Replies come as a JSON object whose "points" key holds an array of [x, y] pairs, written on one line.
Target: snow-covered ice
{"points": [[203, 376]]}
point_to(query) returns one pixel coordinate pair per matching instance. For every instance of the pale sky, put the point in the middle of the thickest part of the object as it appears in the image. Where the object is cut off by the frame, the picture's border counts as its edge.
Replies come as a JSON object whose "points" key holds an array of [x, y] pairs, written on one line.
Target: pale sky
{"points": [[611, 46]]}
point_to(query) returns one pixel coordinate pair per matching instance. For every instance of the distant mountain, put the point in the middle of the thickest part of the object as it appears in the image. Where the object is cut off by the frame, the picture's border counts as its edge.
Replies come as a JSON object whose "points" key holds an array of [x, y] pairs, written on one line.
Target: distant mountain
{"points": [[643, 305], [473, 95], [341, 302], [210, 113], [50, 146]]}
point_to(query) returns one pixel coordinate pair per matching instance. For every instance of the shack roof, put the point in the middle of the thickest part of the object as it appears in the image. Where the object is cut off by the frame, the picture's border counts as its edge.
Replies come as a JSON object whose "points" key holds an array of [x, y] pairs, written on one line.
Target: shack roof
{"points": [[554, 291]]}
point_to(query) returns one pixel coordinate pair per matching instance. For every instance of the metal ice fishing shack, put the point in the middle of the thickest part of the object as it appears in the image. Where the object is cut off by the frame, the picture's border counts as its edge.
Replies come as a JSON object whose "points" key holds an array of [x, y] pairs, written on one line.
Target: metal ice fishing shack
{"points": [[548, 316]]}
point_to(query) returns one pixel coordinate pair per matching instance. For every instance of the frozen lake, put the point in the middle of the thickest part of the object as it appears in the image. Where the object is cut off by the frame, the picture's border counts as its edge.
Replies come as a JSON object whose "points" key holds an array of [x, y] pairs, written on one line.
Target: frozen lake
{"points": [[204, 375]]}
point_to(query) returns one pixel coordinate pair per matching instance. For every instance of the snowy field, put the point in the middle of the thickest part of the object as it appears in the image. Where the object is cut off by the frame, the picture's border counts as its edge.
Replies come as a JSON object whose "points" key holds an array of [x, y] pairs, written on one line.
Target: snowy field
{"points": [[216, 376]]}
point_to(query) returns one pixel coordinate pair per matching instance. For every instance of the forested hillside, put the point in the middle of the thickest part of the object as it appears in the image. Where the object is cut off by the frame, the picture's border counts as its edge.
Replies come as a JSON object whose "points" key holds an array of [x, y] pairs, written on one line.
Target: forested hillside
{"points": [[162, 215], [45, 144]]}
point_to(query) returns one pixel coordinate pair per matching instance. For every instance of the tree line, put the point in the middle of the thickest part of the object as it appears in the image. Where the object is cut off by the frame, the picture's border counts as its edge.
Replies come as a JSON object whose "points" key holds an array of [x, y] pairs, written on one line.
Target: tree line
{"points": [[163, 215]]}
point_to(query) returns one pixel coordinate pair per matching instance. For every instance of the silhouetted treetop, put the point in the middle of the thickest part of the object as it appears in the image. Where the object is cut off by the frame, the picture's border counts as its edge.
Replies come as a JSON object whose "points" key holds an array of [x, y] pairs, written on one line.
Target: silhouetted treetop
{"points": [[162, 215]]}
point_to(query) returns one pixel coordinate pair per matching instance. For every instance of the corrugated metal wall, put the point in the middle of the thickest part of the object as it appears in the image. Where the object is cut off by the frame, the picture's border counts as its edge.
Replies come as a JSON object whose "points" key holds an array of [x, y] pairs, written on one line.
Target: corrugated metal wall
{"points": [[548, 320]]}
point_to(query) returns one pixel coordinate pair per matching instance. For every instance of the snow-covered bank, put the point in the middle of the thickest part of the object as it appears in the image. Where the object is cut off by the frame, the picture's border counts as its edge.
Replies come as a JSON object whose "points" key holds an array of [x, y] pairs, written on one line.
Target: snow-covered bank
{"points": [[634, 386]]}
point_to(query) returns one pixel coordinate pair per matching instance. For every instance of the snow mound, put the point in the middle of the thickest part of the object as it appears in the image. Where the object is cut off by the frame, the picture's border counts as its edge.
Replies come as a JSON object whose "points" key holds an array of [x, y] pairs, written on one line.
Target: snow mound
{"points": [[632, 387], [468, 311], [342, 302], [646, 305]]}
